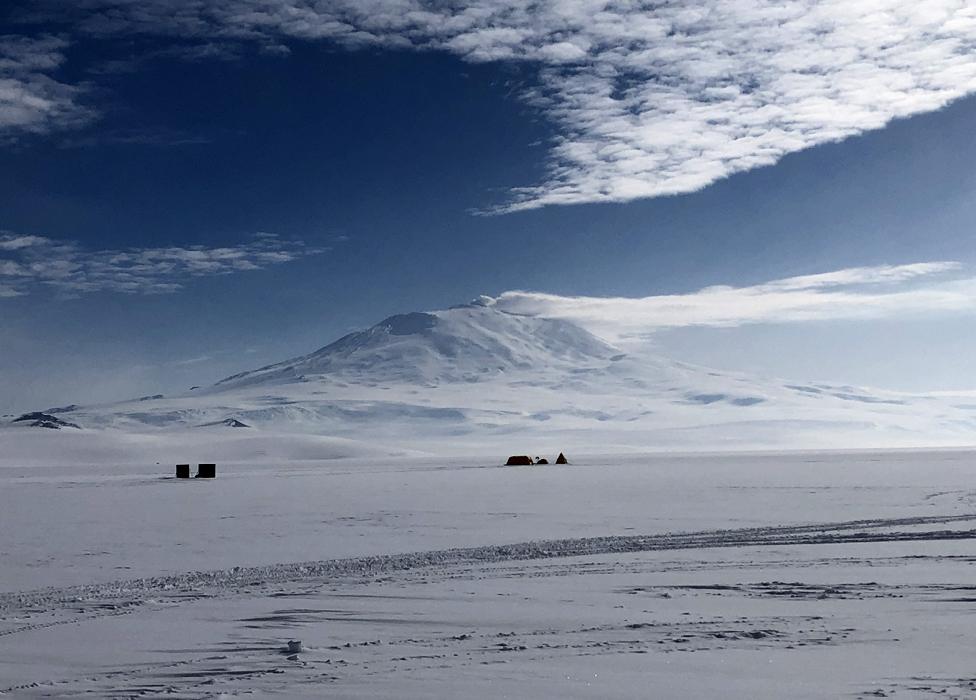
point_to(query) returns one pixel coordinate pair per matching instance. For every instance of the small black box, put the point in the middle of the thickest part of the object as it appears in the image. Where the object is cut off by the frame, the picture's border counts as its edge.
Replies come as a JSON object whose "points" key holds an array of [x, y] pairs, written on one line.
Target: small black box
{"points": [[182, 471], [206, 471]]}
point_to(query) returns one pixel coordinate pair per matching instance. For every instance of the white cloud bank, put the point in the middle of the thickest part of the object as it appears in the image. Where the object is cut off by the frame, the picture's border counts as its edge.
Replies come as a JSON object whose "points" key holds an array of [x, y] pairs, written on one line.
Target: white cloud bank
{"points": [[28, 263], [649, 98], [886, 291]]}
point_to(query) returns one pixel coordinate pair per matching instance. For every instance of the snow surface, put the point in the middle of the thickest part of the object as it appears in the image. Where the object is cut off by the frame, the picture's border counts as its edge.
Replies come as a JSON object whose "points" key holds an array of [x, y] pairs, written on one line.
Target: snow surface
{"points": [[363, 511], [477, 380], [801, 575]]}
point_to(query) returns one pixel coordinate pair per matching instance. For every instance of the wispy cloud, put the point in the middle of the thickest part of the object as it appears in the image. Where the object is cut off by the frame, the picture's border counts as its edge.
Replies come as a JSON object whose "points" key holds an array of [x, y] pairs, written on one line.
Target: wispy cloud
{"points": [[854, 293], [29, 263], [193, 360], [649, 98], [161, 137], [31, 101]]}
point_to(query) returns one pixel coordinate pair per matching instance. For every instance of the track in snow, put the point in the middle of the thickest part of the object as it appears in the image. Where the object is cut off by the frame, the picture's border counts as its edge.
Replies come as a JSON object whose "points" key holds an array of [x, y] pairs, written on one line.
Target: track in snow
{"points": [[77, 603]]}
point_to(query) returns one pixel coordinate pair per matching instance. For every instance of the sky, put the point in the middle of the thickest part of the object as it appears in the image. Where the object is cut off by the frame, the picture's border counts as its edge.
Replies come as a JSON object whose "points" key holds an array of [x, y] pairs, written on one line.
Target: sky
{"points": [[191, 189]]}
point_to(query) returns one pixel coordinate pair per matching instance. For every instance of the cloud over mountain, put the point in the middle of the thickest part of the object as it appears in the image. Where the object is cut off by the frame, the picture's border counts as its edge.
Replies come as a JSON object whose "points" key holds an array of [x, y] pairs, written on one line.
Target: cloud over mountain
{"points": [[854, 293]]}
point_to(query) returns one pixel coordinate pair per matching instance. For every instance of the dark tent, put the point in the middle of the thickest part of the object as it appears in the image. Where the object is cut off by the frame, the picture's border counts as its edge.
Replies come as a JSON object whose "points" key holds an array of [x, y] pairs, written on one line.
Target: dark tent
{"points": [[519, 460], [561, 459]]}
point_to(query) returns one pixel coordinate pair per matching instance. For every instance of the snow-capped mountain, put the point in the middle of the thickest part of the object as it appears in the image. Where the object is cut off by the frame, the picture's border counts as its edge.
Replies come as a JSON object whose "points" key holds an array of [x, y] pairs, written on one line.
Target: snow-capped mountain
{"points": [[468, 343], [477, 377]]}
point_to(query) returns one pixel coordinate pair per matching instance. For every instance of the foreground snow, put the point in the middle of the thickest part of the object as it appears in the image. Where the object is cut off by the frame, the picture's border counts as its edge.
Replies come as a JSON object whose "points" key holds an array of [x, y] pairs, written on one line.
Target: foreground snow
{"points": [[752, 575]]}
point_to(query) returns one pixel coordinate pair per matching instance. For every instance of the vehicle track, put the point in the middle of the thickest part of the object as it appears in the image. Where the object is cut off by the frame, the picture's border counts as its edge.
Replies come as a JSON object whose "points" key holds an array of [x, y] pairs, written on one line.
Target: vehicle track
{"points": [[85, 602]]}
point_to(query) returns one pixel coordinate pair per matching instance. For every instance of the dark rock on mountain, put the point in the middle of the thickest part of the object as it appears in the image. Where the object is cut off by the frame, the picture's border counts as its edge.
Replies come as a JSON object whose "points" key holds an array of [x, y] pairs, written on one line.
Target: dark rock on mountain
{"points": [[38, 419], [229, 422]]}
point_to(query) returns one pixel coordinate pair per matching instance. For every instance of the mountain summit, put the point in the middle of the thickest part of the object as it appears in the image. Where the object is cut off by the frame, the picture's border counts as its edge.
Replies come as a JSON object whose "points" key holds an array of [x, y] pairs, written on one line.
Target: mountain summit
{"points": [[469, 343]]}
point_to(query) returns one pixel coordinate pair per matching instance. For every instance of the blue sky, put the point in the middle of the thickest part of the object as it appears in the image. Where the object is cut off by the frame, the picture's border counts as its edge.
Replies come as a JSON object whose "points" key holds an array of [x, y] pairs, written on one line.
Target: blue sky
{"points": [[186, 198]]}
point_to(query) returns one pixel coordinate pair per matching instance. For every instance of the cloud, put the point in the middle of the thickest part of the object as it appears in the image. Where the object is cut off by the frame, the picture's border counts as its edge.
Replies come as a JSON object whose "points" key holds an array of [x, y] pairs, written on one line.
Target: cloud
{"points": [[14, 242], [649, 98], [885, 291], [161, 137], [193, 360], [31, 101], [29, 263]]}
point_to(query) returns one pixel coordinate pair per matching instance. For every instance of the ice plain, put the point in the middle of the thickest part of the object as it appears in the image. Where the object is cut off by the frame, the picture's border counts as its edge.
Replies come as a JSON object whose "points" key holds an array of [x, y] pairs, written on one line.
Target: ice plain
{"points": [[747, 575]]}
